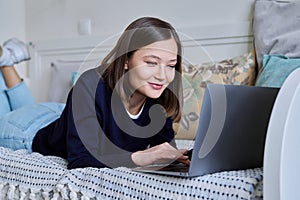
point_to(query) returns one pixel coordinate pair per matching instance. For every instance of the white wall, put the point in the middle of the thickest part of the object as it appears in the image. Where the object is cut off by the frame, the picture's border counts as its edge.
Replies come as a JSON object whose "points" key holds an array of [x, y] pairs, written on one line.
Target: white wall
{"points": [[12, 23], [34, 20], [48, 19]]}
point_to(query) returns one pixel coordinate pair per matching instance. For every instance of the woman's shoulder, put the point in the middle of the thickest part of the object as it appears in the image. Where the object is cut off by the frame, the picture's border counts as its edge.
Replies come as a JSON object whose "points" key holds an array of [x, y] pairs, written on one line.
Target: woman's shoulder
{"points": [[91, 82], [92, 77]]}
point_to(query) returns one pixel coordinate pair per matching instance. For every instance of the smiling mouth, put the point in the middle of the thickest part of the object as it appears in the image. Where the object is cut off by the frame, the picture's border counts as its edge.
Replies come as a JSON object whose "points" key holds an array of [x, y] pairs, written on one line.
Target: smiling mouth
{"points": [[156, 86]]}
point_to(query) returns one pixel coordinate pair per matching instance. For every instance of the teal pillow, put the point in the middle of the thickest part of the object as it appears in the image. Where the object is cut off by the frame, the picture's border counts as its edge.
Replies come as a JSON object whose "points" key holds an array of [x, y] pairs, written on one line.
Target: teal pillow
{"points": [[276, 68], [75, 76]]}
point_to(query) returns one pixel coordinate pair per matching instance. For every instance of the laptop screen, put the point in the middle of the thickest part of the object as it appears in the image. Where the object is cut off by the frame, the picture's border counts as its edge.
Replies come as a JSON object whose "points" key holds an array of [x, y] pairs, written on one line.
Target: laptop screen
{"points": [[232, 128]]}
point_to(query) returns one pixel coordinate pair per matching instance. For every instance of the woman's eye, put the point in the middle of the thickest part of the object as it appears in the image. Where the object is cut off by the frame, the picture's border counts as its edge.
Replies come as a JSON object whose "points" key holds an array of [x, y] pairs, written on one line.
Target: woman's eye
{"points": [[171, 66], [151, 63]]}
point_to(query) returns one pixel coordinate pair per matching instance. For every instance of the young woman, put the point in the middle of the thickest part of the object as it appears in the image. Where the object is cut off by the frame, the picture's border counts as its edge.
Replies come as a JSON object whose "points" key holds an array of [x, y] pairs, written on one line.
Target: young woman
{"points": [[118, 114]]}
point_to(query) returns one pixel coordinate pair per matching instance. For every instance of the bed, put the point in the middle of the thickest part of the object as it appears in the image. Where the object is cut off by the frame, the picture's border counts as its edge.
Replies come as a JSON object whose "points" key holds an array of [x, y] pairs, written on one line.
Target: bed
{"points": [[226, 48], [33, 176]]}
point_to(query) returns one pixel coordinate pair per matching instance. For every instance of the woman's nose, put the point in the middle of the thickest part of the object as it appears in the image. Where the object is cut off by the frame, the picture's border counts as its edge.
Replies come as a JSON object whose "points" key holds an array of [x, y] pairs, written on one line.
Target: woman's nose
{"points": [[161, 73]]}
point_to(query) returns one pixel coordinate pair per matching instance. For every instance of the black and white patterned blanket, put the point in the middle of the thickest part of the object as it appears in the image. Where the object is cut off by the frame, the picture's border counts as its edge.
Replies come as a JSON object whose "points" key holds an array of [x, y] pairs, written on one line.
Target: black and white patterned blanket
{"points": [[26, 175]]}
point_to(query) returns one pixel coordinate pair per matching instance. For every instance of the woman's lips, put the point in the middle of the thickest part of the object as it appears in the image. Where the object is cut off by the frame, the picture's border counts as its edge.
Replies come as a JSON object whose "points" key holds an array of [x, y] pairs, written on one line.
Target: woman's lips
{"points": [[156, 86]]}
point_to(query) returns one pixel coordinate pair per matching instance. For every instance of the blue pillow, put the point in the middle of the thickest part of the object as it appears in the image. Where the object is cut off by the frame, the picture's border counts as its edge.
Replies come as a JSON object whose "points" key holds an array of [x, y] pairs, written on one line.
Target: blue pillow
{"points": [[276, 68], [75, 76]]}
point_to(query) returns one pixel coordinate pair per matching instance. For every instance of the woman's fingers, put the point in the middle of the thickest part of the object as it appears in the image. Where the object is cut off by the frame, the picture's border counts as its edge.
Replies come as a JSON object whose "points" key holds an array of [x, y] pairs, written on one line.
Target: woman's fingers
{"points": [[160, 154]]}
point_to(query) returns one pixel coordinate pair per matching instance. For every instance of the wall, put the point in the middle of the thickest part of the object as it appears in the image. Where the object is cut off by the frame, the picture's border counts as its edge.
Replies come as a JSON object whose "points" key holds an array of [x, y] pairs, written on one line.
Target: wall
{"points": [[34, 20], [48, 19], [12, 23]]}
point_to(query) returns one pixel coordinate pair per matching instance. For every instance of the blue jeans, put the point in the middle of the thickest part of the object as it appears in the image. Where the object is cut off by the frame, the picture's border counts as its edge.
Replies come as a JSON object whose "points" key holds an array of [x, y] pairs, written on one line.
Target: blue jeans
{"points": [[21, 117], [13, 98], [18, 128]]}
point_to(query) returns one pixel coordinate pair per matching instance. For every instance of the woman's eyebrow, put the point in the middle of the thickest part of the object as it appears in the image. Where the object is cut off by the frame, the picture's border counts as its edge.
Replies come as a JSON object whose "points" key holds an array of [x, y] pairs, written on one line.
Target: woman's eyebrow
{"points": [[153, 56], [158, 58]]}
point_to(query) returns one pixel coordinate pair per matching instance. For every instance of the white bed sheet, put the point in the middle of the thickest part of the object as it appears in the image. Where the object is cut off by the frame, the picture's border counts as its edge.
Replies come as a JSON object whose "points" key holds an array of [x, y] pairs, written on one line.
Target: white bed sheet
{"points": [[26, 175]]}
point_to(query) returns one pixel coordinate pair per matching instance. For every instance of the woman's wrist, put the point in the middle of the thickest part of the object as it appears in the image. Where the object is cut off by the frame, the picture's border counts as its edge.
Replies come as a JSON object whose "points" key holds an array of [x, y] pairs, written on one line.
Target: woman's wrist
{"points": [[135, 157], [139, 158]]}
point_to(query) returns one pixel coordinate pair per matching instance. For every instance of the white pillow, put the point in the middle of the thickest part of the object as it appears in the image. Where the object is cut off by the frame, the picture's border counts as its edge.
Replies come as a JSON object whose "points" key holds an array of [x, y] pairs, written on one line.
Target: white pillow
{"points": [[61, 79], [64, 74]]}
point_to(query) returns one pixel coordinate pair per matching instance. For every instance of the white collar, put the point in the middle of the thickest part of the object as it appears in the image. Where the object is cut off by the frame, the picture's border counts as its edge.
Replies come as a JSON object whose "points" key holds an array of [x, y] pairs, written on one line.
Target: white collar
{"points": [[137, 115]]}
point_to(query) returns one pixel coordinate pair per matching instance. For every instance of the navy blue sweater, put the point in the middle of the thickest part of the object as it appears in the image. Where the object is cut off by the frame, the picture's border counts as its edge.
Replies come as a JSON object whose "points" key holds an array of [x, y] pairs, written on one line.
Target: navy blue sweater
{"points": [[94, 129]]}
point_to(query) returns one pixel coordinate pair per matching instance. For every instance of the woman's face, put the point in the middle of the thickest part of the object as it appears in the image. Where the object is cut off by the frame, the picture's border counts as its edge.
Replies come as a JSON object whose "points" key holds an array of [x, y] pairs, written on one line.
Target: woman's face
{"points": [[152, 68]]}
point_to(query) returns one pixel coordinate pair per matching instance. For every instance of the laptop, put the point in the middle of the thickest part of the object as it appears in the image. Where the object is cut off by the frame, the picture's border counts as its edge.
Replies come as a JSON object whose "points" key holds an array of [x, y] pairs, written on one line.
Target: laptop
{"points": [[231, 131]]}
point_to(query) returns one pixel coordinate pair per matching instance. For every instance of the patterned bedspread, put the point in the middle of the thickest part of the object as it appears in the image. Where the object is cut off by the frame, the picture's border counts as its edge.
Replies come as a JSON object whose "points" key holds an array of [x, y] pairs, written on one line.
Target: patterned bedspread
{"points": [[26, 175]]}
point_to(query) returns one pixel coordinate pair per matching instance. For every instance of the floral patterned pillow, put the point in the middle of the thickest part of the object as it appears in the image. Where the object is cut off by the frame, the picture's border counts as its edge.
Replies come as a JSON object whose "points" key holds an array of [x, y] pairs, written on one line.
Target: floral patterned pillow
{"points": [[239, 71]]}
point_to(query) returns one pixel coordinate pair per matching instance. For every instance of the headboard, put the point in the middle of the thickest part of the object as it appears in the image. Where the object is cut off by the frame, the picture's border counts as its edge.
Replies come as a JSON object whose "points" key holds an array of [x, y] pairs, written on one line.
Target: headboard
{"points": [[200, 44]]}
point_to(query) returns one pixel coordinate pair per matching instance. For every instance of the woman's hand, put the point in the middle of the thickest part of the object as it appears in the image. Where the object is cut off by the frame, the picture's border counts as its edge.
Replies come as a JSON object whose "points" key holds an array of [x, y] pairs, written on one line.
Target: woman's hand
{"points": [[160, 154]]}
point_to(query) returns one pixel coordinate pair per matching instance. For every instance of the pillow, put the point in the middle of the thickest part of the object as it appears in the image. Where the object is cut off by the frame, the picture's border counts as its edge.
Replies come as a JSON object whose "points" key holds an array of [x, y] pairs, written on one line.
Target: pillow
{"points": [[276, 28], [75, 76], [64, 75], [239, 71], [276, 68]]}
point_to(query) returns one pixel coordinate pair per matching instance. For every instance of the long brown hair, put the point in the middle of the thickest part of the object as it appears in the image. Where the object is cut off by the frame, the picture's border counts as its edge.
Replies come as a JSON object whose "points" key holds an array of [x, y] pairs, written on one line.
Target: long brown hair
{"points": [[140, 33]]}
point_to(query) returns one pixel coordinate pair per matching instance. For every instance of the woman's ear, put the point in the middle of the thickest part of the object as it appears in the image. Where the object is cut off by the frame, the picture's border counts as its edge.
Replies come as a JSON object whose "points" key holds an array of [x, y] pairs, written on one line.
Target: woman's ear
{"points": [[126, 65]]}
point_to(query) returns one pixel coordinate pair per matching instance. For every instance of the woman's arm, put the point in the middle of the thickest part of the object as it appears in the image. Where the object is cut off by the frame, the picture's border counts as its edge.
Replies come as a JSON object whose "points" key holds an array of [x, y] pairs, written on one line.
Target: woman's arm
{"points": [[87, 144]]}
